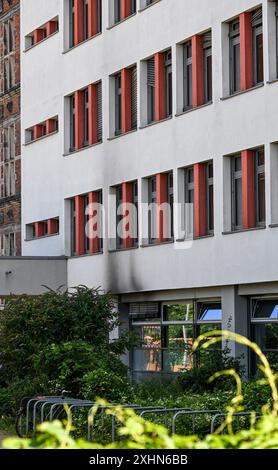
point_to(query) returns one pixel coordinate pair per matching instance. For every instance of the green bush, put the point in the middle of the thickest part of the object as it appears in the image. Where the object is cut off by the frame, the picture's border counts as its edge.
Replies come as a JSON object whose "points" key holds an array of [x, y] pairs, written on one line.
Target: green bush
{"points": [[104, 383], [197, 379], [50, 343], [137, 433]]}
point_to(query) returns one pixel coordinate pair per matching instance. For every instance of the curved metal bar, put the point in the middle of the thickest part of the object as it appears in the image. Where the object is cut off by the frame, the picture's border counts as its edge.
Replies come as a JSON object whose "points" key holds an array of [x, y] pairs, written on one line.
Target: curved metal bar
{"points": [[224, 415], [190, 413]]}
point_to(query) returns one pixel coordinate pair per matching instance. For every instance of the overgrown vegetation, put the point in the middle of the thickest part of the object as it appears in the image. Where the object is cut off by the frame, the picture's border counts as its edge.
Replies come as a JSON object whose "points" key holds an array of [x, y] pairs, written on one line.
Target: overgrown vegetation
{"points": [[60, 341], [136, 433], [197, 379]]}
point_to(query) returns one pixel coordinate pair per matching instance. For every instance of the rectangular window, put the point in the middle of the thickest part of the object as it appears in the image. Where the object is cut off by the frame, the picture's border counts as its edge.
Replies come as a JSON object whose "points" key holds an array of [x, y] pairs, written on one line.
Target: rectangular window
{"points": [[99, 112], [119, 203], [189, 201], [118, 104], [134, 99], [209, 197], [236, 172], [127, 217], [161, 210], [73, 225], [71, 23], [8, 175], [187, 75], [85, 19], [9, 54], [82, 228], [86, 117], [123, 9], [234, 36], [72, 123], [207, 46], [167, 332], [258, 54], [264, 325], [151, 90], [133, 7], [168, 71], [9, 36], [152, 223], [90, 118], [170, 189], [117, 10], [260, 186], [90, 26], [10, 244]]}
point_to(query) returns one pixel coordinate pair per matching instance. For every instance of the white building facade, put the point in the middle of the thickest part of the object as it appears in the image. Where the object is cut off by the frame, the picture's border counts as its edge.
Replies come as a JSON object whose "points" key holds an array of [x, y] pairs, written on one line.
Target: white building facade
{"points": [[157, 102]]}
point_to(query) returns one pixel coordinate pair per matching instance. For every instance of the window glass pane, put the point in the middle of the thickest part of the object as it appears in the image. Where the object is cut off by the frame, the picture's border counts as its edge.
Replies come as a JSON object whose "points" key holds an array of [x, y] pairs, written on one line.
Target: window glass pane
{"points": [[206, 328], [85, 18], [209, 312], [260, 58], [238, 201], [147, 359], [146, 317], [149, 335], [117, 11], [118, 104], [237, 66], [261, 197], [210, 209], [179, 312], [209, 78], [178, 336], [265, 309], [187, 85], [119, 216], [73, 228], [152, 213], [86, 117], [266, 336], [236, 192], [178, 341]]}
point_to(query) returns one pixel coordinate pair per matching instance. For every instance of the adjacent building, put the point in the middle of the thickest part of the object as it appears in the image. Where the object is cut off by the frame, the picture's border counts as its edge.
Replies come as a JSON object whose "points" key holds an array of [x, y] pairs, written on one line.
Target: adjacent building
{"points": [[10, 145], [150, 160]]}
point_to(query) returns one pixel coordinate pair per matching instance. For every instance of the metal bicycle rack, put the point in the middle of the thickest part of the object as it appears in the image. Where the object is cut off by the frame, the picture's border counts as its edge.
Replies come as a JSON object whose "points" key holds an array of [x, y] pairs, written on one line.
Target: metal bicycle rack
{"points": [[224, 415], [193, 414], [164, 411], [138, 408], [35, 410]]}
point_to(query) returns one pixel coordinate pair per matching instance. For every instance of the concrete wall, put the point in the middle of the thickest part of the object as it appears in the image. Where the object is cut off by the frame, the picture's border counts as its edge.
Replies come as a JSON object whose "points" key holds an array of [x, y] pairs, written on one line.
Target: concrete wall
{"points": [[31, 275], [50, 73]]}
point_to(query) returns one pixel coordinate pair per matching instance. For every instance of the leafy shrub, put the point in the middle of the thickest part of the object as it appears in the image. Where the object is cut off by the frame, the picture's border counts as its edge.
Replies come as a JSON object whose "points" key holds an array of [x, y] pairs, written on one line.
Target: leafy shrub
{"points": [[6, 401], [197, 379], [49, 343], [137, 433], [104, 383]]}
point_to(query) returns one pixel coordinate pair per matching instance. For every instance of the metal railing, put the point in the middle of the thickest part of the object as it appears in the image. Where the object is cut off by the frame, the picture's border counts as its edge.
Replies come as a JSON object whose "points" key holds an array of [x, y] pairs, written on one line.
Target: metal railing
{"points": [[35, 410], [222, 416]]}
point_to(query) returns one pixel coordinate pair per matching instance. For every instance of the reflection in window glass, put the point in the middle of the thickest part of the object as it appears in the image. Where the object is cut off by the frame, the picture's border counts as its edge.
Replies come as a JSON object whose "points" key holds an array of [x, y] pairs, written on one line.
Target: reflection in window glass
{"points": [[149, 335], [265, 309], [179, 312], [210, 312], [266, 336], [177, 341], [165, 341]]}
